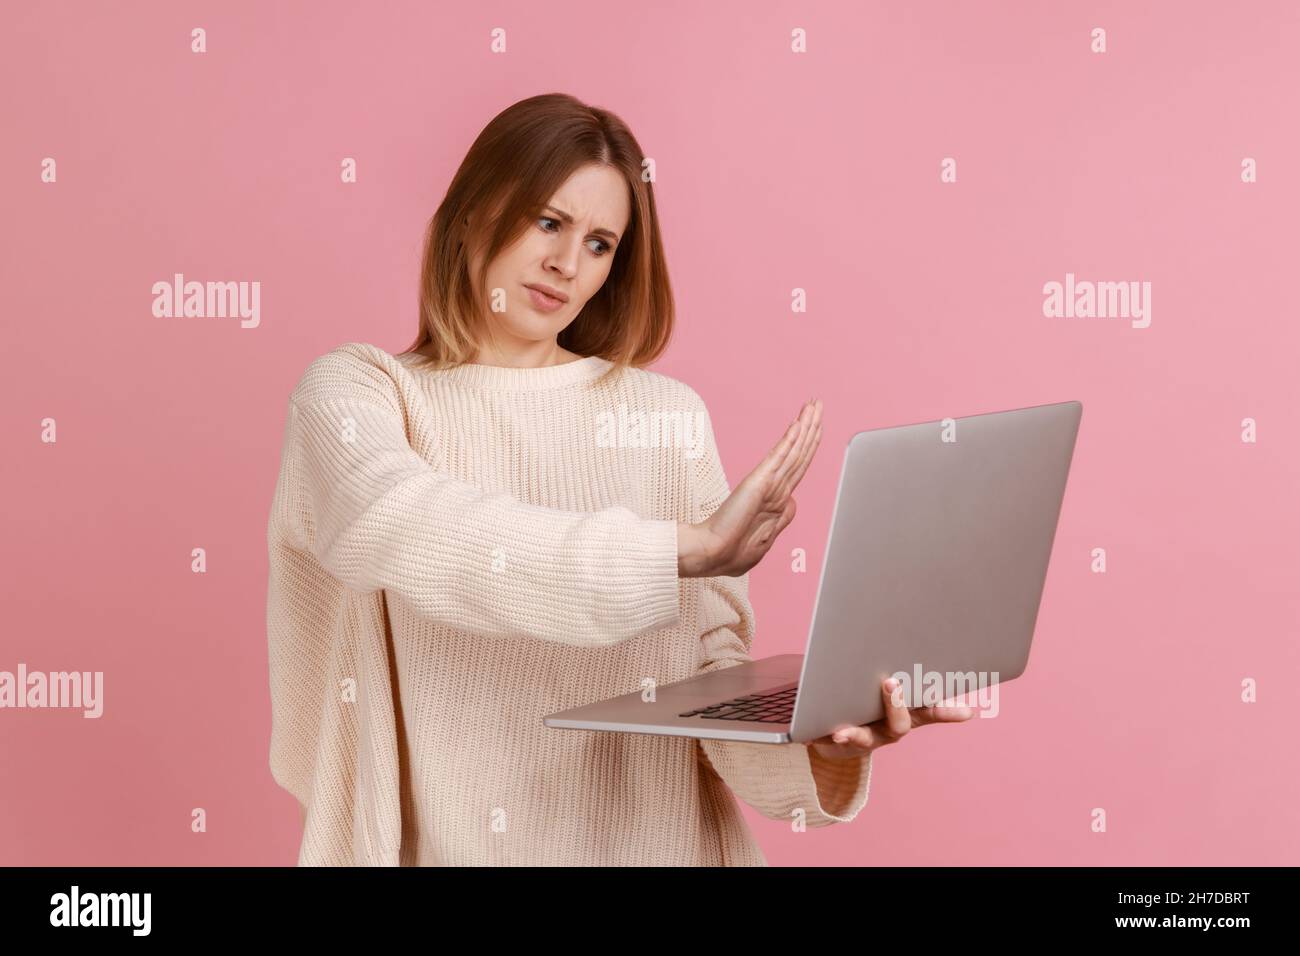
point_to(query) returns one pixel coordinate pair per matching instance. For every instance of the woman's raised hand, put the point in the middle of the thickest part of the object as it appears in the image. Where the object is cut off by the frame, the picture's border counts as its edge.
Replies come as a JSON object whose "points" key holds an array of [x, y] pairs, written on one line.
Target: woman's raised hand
{"points": [[736, 536]]}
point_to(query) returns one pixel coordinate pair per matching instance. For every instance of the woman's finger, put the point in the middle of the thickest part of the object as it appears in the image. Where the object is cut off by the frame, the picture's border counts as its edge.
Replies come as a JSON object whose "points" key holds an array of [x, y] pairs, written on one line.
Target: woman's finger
{"points": [[786, 516], [791, 457], [941, 713], [790, 443], [796, 476], [859, 737], [800, 455], [898, 719], [806, 451], [777, 457]]}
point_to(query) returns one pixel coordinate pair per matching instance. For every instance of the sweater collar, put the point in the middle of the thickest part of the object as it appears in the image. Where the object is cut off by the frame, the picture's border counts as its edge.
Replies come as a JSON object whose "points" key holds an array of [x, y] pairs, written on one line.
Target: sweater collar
{"points": [[508, 378]]}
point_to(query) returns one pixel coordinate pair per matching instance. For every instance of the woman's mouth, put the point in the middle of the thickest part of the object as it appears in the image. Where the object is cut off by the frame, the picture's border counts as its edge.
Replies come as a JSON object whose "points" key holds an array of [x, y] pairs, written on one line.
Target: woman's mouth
{"points": [[542, 301]]}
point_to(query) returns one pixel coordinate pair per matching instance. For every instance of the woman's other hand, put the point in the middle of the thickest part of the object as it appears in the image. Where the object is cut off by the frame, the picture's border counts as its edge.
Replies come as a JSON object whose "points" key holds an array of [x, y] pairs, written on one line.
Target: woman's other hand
{"points": [[846, 742], [736, 536]]}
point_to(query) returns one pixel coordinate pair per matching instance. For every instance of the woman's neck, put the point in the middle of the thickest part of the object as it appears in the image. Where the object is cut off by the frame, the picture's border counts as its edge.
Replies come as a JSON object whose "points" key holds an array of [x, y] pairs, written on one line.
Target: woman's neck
{"points": [[527, 357]]}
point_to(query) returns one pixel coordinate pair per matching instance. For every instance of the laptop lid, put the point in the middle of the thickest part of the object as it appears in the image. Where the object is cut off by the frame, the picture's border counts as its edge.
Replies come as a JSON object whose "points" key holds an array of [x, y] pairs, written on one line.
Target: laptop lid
{"points": [[936, 559]]}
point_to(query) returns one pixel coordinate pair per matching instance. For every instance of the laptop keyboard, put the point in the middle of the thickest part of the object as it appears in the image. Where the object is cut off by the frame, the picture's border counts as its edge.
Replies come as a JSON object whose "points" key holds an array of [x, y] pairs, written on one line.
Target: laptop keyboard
{"points": [[772, 707]]}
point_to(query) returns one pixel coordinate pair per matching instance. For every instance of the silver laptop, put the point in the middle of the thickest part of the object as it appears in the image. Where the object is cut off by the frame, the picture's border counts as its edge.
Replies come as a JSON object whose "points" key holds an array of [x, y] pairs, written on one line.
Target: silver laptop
{"points": [[938, 551]]}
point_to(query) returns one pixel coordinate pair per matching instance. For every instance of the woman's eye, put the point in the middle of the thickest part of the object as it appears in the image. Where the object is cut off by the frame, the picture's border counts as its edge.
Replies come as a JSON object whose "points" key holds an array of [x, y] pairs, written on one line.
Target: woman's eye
{"points": [[604, 246]]}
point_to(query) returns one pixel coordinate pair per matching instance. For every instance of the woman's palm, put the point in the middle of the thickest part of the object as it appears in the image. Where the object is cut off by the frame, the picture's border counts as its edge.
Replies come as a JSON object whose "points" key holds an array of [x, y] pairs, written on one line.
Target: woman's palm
{"points": [[745, 525]]}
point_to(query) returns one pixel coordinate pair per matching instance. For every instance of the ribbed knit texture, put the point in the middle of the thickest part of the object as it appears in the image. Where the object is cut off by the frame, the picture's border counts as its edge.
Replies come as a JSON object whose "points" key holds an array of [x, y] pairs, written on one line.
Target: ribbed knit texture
{"points": [[455, 554]]}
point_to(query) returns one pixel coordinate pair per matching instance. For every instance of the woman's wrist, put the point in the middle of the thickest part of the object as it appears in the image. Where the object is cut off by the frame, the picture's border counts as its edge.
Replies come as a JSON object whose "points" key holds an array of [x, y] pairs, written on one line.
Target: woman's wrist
{"points": [[694, 559]]}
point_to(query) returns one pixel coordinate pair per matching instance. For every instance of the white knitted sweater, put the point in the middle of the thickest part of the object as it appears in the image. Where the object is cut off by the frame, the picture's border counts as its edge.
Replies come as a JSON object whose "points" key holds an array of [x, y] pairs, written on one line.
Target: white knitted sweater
{"points": [[455, 554]]}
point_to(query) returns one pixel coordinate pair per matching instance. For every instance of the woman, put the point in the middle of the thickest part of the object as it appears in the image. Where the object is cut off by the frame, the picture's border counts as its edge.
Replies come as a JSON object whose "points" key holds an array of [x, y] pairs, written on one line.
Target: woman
{"points": [[456, 551]]}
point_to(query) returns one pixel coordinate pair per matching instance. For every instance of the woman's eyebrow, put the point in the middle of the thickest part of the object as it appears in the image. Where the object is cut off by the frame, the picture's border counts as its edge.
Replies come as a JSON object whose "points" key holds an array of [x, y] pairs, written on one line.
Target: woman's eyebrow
{"points": [[569, 219]]}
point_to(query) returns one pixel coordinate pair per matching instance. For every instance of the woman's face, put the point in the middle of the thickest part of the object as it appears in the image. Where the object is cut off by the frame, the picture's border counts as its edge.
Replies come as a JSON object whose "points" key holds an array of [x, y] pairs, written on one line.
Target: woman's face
{"points": [[568, 248]]}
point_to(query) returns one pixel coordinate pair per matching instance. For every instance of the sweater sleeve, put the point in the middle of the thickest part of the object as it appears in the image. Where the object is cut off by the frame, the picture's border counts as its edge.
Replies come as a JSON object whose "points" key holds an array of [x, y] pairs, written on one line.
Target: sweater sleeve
{"points": [[375, 515], [777, 780]]}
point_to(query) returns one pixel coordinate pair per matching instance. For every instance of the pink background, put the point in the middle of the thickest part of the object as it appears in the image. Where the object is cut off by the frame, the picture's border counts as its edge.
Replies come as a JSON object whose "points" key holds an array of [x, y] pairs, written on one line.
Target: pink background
{"points": [[775, 171]]}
